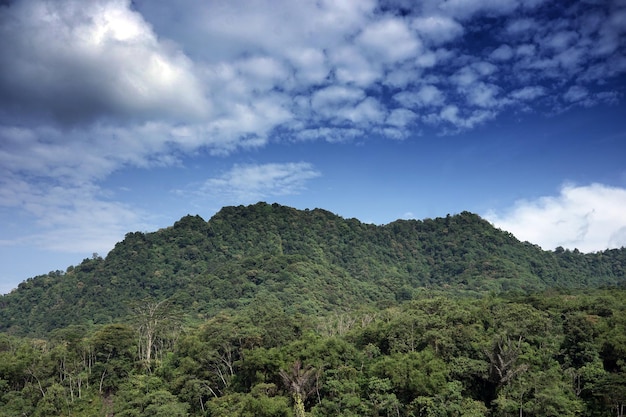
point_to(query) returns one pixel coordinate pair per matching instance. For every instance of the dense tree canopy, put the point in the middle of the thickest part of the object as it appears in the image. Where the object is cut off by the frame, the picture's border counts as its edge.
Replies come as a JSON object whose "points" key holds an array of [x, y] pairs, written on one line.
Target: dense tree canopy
{"points": [[311, 261], [270, 311], [545, 354]]}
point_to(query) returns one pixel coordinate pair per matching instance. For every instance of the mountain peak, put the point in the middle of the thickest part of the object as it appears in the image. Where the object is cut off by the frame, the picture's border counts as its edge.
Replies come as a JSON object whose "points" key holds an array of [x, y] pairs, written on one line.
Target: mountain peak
{"points": [[312, 261]]}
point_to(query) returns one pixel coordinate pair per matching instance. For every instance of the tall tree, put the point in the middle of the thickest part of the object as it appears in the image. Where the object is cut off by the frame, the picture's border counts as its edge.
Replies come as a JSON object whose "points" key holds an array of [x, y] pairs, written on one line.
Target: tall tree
{"points": [[158, 324], [301, 383]]}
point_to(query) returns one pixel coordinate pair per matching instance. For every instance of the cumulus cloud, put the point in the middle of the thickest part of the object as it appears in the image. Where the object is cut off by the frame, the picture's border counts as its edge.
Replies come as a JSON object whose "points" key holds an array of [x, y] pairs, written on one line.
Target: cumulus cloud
{"points": [[589, 218], [389, 39], [332, 135], [310, 65], [437, 29], [457, 119], [351, 66], [425, 96], [221, 73], [401, 117], [78, 61], [483, 95], [333, 97], [502, 53], [522, 26], [368, 111]]}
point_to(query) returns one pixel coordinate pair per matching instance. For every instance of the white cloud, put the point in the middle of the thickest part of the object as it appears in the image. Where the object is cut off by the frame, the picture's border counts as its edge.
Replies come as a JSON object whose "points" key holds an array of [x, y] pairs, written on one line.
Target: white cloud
{"points": [[482, 95], [502, 53], [560, 41], [74, 219], [220, 75], [526, 50], [336, 96], [611, 30], [437, 29], [338, 104], [369, 111], [330, 134], [528, 93], [465, 77], [426, 96], [575, 93], [401, 118], [469, 75], [390, 39], [227, 30], [521, 26], [80, 156], [262, 72], [484, 68], [249, 183], [310, 65], [90, 88], [589, 218], [78, 61], [453, 115], [351, 66]]}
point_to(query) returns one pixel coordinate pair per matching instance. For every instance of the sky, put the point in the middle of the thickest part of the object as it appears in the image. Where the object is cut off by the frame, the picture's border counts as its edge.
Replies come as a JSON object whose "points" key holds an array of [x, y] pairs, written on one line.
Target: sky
{"points": [[120, 116]]}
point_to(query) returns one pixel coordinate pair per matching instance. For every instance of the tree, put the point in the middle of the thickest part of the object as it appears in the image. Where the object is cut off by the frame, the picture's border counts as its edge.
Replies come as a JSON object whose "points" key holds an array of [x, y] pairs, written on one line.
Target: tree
{"points": [[147, 396], [157, 325], [612, 390], [450, 402], [503, 360], [413, 374], [381, 398], [115, 352], [300, 382]]}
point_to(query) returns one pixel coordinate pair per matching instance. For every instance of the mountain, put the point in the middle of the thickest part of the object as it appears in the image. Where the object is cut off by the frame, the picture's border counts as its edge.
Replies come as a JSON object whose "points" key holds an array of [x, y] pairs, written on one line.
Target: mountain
{"points": [[307, 261]]}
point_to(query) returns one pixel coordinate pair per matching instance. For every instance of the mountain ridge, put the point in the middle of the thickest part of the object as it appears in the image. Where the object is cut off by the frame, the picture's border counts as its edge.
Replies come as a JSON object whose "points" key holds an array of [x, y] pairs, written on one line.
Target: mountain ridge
{"points": [[311, 261]]}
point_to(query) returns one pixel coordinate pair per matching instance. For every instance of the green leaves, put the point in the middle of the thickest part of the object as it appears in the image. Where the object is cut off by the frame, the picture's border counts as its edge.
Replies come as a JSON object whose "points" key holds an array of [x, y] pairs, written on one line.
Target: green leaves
{"points": [[434, 356], [311, 261], [258, 290], [147, 396]]}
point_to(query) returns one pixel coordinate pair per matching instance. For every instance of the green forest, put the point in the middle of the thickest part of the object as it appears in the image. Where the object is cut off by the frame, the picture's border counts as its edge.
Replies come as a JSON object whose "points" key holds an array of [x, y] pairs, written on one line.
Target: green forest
{"points": [[266, 310]]}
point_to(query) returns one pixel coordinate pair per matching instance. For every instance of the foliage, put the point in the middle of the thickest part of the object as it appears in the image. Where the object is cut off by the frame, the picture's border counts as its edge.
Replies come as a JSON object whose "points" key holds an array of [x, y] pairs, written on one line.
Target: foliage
{"points": [[309, 261], [270, 311], [545, 354]]}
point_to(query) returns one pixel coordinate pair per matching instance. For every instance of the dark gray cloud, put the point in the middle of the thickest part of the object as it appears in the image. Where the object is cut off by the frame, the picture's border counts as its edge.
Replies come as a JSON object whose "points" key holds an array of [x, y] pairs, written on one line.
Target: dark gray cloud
{"points": [[76, 62]]}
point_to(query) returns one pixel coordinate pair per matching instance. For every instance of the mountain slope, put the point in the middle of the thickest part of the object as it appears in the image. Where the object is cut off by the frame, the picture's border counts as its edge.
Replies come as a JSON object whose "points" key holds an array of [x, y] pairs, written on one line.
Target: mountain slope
{"points": [[308, 261]]}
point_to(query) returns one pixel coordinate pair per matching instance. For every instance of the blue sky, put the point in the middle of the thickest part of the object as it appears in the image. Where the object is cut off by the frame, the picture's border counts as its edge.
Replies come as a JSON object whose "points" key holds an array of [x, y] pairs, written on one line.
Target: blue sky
{"points": [[119, 116]]}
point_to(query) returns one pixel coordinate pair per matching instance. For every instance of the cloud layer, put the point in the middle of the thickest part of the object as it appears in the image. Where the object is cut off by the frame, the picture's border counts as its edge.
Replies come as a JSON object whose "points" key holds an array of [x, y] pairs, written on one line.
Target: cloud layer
{"points": [[88, 88], [231, 73]]}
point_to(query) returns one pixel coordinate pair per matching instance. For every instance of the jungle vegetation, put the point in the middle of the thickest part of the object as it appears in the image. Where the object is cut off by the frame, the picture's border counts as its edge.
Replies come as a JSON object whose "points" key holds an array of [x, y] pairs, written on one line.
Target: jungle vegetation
{"points": [[266, 310]]}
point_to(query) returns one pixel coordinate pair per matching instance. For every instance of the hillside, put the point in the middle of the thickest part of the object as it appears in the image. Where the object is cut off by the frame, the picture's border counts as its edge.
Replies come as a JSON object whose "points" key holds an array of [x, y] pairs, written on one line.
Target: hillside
{"points": [[310, 261]]}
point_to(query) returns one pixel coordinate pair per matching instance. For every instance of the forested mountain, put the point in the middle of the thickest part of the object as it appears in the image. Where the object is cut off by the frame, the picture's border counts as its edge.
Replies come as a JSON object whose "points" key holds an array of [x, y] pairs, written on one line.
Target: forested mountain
{"points": [[311, 261], [269, 311]]}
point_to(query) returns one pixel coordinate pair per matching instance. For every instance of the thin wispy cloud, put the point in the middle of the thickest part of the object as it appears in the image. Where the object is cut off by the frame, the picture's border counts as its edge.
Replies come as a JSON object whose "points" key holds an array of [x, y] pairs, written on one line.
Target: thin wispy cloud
{"points": [[252, 182], [69, 219]]}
